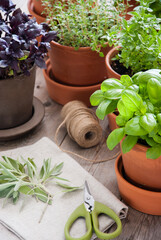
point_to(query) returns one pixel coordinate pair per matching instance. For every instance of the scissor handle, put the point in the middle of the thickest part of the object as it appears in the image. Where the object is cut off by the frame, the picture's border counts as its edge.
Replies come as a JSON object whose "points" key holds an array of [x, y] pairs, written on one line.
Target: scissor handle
{"points": [[79, 212], [101, 208]]}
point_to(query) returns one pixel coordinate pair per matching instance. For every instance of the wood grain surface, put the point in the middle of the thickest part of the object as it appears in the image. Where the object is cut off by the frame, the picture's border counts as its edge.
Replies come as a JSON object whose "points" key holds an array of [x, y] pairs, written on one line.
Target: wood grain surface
{"points": [[137, 226]]}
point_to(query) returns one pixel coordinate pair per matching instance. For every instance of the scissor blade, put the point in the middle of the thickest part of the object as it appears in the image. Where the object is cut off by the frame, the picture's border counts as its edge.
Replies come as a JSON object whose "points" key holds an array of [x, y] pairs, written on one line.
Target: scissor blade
{"points": [[88, 198]]}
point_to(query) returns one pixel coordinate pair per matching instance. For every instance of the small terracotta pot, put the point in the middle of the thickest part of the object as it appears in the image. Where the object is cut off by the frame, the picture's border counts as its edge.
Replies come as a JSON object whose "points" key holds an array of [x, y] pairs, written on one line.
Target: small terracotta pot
{"points": [[16, 98], [108, 59], [82, 67], [63, 93], [38, 7], [140, 199], [140, 170], [31, 9], [112, 121], [133, 4]]}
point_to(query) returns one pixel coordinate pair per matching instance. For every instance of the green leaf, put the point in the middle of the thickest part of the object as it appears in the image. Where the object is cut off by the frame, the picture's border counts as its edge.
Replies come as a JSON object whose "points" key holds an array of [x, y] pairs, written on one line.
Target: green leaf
{"points": [[154, 90], [111, 84], [132, 100], [96, 98], [3, 193], [105, 107], [126, 80], [133, 127], [128, 143], [26, 190], [123, 110], [42, 195], [67, 187], [113, 94], [7, 185], [148, 122], [154, 152], [121, 120], [7, 172], [115, 137]]}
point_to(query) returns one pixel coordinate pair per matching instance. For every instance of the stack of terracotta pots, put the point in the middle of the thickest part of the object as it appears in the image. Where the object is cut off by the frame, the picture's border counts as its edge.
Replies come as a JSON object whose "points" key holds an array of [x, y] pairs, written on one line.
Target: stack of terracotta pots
{"points": [[74, 74]]}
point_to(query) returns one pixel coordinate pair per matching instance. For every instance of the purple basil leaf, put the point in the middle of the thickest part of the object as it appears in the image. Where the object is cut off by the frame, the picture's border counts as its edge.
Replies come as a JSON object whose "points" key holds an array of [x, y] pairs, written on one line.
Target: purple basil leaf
{"points": [[48, 37], [6, 5], [40, 62], [5, 28], [3, 63]]}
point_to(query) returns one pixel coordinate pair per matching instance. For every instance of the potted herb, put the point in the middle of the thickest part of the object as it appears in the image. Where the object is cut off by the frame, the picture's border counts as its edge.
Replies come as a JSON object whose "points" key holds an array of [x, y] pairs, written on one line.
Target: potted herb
{"points": [[137, 100], [19, 53], [77, 57], [139, 42]]}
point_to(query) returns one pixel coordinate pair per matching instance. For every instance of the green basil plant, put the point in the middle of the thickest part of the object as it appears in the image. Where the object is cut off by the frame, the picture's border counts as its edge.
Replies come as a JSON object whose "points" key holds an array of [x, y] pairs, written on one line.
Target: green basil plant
{"points": [[138, 101]]}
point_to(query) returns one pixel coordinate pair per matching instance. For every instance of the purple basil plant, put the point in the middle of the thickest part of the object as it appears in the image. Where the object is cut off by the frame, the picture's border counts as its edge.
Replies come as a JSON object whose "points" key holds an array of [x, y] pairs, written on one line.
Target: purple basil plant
{"points": [[19, 48]]}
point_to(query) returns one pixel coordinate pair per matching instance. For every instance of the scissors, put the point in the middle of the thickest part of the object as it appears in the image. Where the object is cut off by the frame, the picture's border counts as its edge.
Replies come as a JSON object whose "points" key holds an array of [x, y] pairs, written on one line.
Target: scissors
{"points": [[90, 210]]}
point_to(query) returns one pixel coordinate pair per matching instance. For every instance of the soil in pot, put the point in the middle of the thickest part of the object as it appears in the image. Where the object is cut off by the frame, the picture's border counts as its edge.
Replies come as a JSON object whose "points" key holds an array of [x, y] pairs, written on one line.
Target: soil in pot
{"points": [[16, 100], [82, 67], [114, 68]]}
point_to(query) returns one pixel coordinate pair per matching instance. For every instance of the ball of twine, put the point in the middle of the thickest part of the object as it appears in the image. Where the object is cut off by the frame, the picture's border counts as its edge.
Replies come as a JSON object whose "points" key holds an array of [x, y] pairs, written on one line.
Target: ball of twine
{"points": [[82, 124]]}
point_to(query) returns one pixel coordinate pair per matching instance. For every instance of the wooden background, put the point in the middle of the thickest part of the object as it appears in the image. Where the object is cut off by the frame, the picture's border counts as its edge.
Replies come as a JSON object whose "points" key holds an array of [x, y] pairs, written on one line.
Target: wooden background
{"points": [[137, 226]]}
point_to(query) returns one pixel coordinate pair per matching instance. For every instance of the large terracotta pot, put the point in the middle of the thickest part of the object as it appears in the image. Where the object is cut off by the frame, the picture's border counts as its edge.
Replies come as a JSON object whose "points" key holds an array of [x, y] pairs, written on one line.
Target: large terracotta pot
{"points": [[80, 67], [108, 59], [16, 100], [62, 93], [143, 200], [140, 170]]}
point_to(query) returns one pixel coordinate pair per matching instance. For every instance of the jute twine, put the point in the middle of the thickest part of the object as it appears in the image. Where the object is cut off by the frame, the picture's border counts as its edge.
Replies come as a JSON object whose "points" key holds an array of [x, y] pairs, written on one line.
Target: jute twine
{"points": [[82, 126]]}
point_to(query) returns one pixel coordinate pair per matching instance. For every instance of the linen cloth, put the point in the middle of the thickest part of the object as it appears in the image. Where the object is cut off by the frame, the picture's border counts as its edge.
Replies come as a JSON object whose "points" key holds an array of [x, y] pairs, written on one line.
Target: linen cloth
{"points": [[25, 224]]}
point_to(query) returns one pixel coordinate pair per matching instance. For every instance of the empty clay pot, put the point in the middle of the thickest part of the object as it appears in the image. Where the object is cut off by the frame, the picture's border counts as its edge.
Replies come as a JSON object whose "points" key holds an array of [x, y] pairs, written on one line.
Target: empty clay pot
{"points": [[138, 198], [62, 93], [16, 100], [82, 67], [141, 170], [38, 7], [32, 11]]}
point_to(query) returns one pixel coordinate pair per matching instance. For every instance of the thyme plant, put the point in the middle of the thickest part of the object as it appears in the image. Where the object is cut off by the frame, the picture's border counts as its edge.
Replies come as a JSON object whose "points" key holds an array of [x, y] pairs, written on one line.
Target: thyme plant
{"points": [[84, 23]]}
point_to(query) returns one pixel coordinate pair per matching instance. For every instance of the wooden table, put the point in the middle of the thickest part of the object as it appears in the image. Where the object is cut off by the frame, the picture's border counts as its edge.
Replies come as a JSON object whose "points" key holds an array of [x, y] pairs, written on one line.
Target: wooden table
{"points": [[137, 226]]}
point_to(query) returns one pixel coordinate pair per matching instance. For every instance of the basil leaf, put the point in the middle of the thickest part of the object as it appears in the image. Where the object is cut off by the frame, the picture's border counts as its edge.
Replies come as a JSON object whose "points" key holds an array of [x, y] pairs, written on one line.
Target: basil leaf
{"points": [[123, 110], [111, 84], [132, 100], [154, 90], [126, 80], [148, 122], [115, 137], [96, 98], [106, 107], [133, 127], [154, 152], [121, 120], [128, 143], [113, 94]]}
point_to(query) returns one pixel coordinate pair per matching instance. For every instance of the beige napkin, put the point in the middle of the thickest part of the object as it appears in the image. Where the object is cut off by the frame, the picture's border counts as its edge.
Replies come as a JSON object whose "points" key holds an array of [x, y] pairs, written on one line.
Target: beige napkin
{"points": [[24, 224]]}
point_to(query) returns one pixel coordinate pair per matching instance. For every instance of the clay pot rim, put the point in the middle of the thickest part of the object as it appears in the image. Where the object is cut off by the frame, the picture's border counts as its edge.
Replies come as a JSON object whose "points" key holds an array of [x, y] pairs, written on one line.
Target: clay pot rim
{"points": [[63, 86], [108, 57], [68, 48], [32, 12], [129, 185]]}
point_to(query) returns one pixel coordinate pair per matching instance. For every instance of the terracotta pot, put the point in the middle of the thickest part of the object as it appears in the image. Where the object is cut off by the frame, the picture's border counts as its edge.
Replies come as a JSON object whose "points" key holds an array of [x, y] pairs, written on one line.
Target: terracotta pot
{"points": [[133, 4], [38, 7], [138, 198], [31, 9], [63, 93], [112, 121], [80, 67], [140, 170], [16, 98], [108, 59]]}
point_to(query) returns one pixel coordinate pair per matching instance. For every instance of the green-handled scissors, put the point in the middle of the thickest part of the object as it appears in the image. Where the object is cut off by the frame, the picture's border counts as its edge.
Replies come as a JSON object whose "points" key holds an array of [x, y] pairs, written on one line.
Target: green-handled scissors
{"points": [[90, 210]]}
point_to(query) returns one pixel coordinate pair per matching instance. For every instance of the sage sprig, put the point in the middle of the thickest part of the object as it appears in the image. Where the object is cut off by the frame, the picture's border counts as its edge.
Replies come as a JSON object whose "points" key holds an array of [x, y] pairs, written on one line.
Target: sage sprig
{"points": [[22, 177]]}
